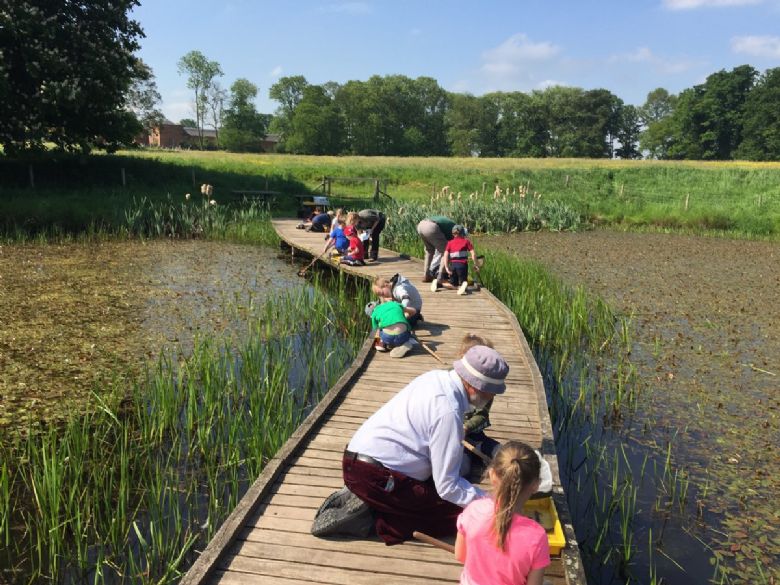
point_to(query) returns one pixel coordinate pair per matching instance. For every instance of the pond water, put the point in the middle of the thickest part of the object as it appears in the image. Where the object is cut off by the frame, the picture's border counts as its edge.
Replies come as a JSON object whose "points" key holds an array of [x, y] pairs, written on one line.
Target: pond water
{"points": [[706, 328], [75, 316]]}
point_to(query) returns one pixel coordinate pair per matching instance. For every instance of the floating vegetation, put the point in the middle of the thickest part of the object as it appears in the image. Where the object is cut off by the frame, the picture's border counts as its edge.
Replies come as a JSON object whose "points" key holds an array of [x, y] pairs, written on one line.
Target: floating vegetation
{"points": [[129, 489]]}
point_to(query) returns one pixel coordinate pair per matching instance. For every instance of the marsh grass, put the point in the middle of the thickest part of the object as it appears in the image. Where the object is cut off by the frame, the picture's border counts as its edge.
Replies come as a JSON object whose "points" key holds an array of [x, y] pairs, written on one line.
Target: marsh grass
{"points": [[128, 490], [73, 193]]}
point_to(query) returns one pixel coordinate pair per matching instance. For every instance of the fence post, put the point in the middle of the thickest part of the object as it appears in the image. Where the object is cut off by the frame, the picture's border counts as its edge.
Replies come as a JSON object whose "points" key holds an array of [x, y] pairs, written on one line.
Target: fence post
{"points": [[376, 189], [124, 178], [687, 196], [31, 176], [484, 186], [566, 184], [621, 188]]}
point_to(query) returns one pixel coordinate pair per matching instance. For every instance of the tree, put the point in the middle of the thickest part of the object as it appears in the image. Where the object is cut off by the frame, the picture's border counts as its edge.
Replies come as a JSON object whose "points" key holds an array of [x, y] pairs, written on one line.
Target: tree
{"points": [[200, 78], [761, 122], [216, 97], [244, 127], [316, 126], [463, 120], [188, 123], [656, 115], [707, 121], [143, 100], [627, 132], [65, 72], [288, 91]]}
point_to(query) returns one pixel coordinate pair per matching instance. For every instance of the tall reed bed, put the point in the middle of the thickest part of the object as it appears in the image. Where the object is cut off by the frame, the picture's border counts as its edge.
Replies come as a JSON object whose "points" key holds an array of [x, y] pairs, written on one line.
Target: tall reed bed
{"points": [[498, 212], [128, 490]]}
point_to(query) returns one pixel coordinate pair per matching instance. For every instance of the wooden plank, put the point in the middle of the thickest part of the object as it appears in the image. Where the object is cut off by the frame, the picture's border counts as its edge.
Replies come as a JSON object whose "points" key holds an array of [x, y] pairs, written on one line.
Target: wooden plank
{"points": [[273, 543]]}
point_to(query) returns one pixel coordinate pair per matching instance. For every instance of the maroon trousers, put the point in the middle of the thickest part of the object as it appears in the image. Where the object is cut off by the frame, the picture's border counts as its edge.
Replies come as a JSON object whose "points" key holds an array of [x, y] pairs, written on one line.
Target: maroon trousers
{"points": [[401, 504]]}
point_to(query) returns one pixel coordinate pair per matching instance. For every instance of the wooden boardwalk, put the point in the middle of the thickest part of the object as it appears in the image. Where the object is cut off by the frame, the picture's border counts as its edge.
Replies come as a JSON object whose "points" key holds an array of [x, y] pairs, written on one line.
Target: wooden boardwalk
{"points": [[266, 539]]}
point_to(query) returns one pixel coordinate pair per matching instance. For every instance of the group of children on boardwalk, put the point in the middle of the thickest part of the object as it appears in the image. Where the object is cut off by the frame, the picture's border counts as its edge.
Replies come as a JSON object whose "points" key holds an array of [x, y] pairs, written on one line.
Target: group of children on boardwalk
{"points": [[496, 543]]}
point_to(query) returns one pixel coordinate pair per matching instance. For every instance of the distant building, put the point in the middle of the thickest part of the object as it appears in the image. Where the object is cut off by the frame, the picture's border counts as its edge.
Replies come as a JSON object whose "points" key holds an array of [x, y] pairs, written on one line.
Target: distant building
{"points": [[172, 135]]}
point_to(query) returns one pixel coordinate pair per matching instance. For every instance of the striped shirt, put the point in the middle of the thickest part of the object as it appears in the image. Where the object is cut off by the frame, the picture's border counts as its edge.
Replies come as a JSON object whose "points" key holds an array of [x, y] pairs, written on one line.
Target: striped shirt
{"points": [[459, 249]]}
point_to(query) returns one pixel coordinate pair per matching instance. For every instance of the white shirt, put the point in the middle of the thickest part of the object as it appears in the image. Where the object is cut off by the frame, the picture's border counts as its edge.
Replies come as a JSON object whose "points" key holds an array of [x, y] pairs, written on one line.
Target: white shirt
{"points": [[419, 433]]}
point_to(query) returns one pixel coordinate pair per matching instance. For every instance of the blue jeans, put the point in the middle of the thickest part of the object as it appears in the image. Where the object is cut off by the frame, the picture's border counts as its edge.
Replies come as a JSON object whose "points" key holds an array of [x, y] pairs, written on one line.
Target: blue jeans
{"points": [[394, 340]]}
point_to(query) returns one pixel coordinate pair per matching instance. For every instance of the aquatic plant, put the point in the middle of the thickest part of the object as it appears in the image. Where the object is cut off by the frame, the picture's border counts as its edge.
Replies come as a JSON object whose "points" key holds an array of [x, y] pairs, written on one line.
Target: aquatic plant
{"points": [[129, 489]]}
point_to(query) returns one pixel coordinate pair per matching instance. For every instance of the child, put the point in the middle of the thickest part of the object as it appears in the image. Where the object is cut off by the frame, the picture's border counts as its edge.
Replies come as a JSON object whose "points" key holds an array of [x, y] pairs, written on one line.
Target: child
{"points": [[387, 317], [401, 290], [336, 238], [456, 261], [495, 543], [355, 252], [475, 421], [320, 222]]}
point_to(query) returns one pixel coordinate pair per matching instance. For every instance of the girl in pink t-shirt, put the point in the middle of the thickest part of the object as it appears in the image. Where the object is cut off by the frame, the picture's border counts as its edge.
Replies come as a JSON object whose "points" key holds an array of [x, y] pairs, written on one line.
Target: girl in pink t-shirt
{"points": [[495, 543]]}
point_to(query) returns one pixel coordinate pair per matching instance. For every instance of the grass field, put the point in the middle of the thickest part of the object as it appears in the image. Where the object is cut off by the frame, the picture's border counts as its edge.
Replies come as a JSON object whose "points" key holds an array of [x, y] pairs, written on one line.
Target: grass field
{"points": [[735, 197]]}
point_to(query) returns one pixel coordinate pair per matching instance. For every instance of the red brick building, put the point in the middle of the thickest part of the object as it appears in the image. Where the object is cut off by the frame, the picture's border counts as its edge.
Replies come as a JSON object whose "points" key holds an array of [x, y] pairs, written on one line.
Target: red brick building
{"points": [[172, 135]]}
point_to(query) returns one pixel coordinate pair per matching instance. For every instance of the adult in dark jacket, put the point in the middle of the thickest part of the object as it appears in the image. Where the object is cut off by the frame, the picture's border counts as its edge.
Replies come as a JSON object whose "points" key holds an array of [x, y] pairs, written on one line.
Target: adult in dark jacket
{"points": [[373, 221]]}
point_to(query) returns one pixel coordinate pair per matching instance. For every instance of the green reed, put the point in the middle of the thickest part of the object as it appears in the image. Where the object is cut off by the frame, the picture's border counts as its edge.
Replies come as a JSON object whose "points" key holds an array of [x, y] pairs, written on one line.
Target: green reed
{"points": [[130, 489]]}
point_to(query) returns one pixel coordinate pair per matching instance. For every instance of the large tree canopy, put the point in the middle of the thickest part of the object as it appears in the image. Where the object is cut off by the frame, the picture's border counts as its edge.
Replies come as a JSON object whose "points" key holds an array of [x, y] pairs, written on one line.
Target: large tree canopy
{"points": [[65, 71]]}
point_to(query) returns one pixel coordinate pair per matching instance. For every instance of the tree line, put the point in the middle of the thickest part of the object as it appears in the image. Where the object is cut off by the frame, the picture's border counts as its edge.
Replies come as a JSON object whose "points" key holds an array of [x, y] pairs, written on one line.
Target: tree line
{"points": [[732, 115], [69, 76]]}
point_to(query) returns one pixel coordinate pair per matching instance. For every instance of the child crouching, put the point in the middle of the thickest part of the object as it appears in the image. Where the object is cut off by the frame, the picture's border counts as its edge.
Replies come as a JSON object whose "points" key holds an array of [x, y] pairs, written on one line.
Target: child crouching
{"points": [[394, 331], [355, 251]]}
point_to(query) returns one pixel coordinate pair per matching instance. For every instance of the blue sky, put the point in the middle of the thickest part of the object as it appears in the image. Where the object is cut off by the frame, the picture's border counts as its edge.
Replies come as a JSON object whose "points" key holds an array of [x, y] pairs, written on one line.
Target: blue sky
{"points": [[629, 47]]}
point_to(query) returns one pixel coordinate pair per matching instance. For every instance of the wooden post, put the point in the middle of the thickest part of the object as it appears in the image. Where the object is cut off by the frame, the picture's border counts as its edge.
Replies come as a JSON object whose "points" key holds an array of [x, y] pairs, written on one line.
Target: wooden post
{"points": [[266, 183], [484, 186], [376, 189], [31, 176], [621, 189], [528, 186], [566, 184], [687, 196], [124, 178]]}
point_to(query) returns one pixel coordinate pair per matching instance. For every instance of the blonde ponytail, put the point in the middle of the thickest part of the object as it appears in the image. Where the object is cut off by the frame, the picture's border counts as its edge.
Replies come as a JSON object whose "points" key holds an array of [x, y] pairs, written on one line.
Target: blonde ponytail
{"points": [[516, 468]]}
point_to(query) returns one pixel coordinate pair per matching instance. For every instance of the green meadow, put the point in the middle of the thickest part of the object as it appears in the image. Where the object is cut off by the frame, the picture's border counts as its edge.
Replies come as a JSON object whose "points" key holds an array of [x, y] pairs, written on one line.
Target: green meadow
{"points": [[740, 198]]}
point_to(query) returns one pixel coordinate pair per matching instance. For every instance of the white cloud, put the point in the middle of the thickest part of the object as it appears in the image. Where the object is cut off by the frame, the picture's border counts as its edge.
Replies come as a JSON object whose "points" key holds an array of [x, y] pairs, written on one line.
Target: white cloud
{"points": [[347, 8], [757, 46], [693, 4], [276, 71], [659, 64], [513, 57]]}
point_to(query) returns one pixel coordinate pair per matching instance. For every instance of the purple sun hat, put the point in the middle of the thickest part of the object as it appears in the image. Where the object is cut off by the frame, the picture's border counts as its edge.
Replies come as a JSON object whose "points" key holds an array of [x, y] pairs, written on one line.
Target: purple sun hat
{"points": [[484, 369]]}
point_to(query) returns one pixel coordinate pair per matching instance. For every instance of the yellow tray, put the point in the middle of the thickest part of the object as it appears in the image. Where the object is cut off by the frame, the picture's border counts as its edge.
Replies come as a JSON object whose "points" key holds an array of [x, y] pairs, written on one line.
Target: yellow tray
{"points": [[543, 511]]}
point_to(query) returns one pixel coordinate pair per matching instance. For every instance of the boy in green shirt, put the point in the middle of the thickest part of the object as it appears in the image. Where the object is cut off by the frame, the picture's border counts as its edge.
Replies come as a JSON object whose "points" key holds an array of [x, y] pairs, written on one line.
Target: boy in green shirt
{"points": [[393, 330]]}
